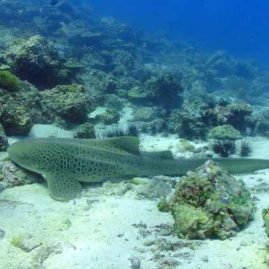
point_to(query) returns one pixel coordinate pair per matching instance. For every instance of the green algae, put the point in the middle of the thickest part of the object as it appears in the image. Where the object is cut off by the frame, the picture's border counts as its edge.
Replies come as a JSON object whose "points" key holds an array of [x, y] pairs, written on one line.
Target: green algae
{"points": [[224, 132], [8, 81], [209, 203]]}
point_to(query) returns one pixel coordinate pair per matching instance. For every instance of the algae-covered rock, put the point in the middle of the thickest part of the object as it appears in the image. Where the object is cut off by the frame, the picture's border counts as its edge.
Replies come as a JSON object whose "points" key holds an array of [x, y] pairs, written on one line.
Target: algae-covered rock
{"points": [[145, 114], [188, 122], [85, 130], [110, 116], [8, 81], [21, 109], [3, 139], [16, 119], [210, 203], [165, 90], [184, 145], [238, 114], [138, 94], [224, 137], [69, 102], [36, 61], [224, 132], [199, 114]]}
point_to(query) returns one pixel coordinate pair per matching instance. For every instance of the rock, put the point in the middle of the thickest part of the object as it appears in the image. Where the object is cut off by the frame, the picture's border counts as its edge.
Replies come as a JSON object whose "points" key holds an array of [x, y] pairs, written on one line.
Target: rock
{"points": [[144, 114], [224, 137], [20, 110], [2, 234], [221, 64], [8, 81], [16, 119], [188, 122], [43, 252], [210, 203], [224, 132], [11, 175], [135, 263], [116, 189], [149, 242], [3, 139], [70, 102], [265, 215], [110, 116], [165, 90], [138, 94], [184, 145], [198, 114], [154, 189], [25, 242], [85, 130], [36, 61]]}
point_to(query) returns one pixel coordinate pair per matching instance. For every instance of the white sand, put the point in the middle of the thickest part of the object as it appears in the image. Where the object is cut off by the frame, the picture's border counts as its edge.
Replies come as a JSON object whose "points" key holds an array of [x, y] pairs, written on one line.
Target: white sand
{"points": [[105, 231], [47, 130]]}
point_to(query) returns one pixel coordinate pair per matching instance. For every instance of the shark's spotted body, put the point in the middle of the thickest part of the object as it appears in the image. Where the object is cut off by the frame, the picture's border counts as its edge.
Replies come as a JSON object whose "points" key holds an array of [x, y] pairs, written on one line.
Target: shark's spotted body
{"points": [[66, 162]]}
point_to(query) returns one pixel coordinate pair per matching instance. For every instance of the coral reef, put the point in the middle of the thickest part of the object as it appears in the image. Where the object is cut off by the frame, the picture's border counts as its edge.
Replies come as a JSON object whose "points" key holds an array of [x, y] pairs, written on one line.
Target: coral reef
{"points": [[16, 119], [165, 90], [224, 137], [236, 114], [63, 45], [20, 110], [188, 122], [199, 114], [70, 102], [209, 203], [59, 61], [37, 61]]}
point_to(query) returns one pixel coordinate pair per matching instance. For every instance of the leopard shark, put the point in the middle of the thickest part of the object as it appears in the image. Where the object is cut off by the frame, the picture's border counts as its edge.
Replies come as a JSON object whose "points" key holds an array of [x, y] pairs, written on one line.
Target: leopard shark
{"points": [[67, 162]]}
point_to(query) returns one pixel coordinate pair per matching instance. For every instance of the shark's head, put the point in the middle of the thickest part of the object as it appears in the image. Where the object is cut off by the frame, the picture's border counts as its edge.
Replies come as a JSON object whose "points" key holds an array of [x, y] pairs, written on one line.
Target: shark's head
{"points": [[23, 153]]}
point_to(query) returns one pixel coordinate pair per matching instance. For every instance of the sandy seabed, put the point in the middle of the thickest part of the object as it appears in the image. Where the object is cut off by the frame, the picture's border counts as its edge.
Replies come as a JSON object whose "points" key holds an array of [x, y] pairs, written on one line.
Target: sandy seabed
{"points": [[109, 231]]}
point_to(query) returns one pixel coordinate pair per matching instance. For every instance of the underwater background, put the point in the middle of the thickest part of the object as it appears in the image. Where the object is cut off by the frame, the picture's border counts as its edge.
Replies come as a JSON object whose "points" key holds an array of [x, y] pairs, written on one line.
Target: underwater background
{"points": [[239, 27], [134, 134]]}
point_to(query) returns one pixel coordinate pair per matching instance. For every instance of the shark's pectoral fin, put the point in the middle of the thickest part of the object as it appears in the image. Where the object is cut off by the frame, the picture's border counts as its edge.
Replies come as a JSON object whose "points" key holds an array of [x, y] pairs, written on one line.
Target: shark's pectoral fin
{"points": [[62, 187]]}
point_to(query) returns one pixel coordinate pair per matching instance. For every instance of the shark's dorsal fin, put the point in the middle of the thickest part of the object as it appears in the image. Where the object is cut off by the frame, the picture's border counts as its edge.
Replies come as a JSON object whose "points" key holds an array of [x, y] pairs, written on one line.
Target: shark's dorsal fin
{"points": [[126, 143], [164, 155]]}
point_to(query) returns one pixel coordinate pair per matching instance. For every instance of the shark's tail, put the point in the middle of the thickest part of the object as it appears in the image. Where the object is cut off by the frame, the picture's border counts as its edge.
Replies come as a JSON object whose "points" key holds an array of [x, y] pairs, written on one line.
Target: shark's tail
{"points": [[242, 165], [232, 165]]}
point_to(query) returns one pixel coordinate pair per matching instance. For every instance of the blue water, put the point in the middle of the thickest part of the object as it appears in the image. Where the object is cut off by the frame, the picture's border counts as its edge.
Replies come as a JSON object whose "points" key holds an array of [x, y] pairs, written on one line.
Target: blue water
{"points": [[240, 27]]}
